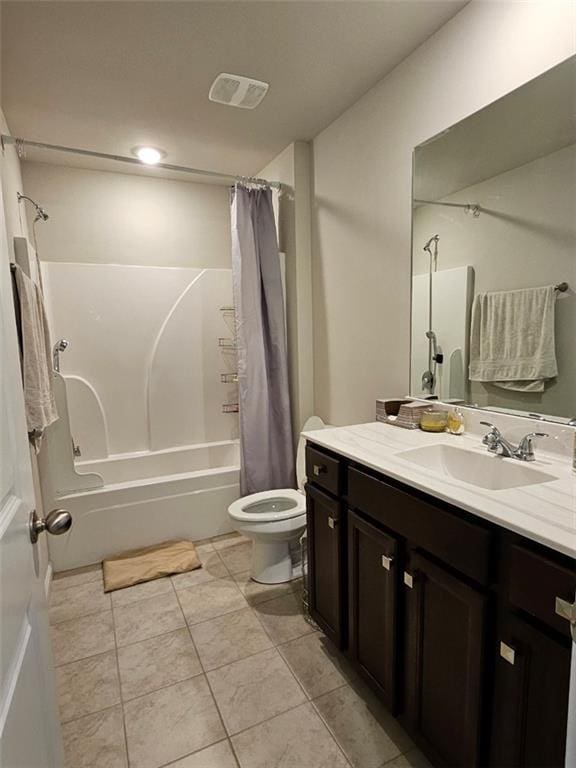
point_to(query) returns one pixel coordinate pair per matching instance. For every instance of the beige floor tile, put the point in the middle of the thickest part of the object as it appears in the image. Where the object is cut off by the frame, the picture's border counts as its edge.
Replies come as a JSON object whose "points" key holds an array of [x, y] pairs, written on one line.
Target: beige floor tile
{"points": [[217, 756], [228, 540], [412, 759], [368, 735], [78, 576], [79, 638], [147, 618], [156, 663], [237, 558], [295, 739], [316, 663], [81, 600], [96, 741], [254, 689], [229, 638], [171, 723], [141, 592], [203, 546], [283, 619], [88, 686], [209, 600], [212, 568], [258, 593]]}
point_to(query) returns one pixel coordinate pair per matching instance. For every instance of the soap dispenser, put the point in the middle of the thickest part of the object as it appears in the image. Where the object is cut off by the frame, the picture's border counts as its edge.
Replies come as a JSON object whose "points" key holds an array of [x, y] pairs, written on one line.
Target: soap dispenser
{"points": [[456, 422]]}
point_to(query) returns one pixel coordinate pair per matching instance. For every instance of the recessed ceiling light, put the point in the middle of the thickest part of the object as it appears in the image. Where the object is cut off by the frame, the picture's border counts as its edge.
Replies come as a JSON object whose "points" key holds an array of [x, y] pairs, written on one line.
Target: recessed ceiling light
{"points": [[149, 155]]}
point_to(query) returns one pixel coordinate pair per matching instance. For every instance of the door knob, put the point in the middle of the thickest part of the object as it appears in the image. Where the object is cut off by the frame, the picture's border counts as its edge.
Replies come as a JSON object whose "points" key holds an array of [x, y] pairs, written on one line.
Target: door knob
{"points": [[56, 522]]}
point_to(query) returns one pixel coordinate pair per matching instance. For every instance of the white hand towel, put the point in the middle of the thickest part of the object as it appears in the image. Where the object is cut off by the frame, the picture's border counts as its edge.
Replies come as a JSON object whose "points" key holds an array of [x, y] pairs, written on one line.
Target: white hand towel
{"points": [[36, 364], [512, 342]]}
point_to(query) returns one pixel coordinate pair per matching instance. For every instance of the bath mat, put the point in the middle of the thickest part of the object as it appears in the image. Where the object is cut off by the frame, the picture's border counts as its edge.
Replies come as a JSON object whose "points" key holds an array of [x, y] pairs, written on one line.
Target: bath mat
{"points": [[149, 563]]}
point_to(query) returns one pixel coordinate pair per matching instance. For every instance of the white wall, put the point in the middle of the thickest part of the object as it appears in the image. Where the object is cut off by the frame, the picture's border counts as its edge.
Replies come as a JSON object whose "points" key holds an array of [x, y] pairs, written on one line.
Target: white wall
{"points": [[362, 189], [105, 217], [525, 237]]}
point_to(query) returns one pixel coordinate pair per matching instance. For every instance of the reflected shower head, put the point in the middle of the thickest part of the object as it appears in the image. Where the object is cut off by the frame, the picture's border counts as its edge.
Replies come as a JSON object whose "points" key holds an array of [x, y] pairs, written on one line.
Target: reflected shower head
{"points": [[61, 345], [434, 239]]}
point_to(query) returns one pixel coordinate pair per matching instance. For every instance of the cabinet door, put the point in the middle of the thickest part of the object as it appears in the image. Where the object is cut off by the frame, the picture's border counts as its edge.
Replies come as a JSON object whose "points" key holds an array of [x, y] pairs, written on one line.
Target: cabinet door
{"points": [[325, 563], [530, 710], [372, 595], [444, 662]]}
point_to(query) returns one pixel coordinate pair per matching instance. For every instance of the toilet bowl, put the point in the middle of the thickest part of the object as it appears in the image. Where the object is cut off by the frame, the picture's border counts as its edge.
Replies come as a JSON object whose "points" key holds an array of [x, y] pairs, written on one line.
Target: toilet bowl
{"points": [[274, 520]]}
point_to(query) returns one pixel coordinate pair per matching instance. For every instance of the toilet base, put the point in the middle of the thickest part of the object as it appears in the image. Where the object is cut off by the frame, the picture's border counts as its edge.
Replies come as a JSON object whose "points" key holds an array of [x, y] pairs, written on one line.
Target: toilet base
{"points": [[271, 562]]}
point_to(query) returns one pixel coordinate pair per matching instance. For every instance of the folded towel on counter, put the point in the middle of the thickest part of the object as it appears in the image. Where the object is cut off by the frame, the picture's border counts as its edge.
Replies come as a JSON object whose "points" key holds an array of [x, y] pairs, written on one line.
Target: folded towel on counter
{"points": [[36, 350], [512, 342]]}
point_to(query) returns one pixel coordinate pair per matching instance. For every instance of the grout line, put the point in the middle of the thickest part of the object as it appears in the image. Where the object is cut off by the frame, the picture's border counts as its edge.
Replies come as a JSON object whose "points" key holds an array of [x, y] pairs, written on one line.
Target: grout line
{"points": [[120, 689], [197, 751]]}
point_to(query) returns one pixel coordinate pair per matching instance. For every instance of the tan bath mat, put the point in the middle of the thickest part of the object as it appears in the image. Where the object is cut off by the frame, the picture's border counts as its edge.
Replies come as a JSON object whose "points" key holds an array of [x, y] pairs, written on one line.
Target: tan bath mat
{"points": [[149, 563]]}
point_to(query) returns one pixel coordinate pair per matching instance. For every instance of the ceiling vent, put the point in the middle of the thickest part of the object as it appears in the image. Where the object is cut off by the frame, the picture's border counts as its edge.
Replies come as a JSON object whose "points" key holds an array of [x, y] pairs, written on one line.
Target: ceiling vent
{"points": [[237, 91]]}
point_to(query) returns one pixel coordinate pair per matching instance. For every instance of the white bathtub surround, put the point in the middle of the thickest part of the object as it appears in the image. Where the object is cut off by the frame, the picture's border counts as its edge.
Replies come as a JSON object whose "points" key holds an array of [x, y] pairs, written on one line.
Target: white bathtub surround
{"points": [[149, 497], [544, 512], [143, 367]]}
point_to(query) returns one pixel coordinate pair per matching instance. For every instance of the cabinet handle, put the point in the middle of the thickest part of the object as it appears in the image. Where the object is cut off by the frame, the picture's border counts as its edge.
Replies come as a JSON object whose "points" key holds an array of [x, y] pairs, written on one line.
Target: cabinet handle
{"points": [[332, 522], [567, 611], [408, 579], [318, 469], [508, 653], [387, 562]]}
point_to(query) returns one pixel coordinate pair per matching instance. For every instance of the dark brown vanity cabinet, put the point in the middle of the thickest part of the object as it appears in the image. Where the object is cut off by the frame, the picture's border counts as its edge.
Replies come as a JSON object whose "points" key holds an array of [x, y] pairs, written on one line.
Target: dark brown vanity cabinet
{"points": [[372, 593], [444, 639], [453, 621]]}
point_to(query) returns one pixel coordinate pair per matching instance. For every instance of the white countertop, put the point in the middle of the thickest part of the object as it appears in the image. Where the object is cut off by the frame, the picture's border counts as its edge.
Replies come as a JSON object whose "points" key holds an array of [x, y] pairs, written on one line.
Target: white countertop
{"points": [[545, 513]]}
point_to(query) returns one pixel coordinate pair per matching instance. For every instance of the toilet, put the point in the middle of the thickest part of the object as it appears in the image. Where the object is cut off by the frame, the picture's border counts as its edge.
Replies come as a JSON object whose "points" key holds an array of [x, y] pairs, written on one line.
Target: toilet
{"points": [[274, 520]]}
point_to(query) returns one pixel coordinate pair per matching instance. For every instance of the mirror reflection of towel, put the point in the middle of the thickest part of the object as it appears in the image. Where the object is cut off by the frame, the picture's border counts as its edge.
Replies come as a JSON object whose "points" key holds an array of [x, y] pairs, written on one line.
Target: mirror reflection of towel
{"points": [[36, 364], [512, 342]]}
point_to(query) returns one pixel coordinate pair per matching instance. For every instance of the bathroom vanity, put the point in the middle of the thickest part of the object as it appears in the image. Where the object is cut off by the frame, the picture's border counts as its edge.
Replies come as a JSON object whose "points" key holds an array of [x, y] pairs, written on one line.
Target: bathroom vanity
{"points": [[447, 580]]}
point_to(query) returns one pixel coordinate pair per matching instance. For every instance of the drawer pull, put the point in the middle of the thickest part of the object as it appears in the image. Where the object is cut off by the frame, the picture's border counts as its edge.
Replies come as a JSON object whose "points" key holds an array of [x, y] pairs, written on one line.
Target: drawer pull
{"points": [[332, 522], [408, 579], [387, 562], [507, 653], [319, 469], [567, 611]]}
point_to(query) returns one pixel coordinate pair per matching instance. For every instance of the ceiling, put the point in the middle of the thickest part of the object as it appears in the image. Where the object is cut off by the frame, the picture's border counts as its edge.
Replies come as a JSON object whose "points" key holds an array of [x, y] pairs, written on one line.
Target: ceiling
{"points": [[108, 76], [533, 121]]}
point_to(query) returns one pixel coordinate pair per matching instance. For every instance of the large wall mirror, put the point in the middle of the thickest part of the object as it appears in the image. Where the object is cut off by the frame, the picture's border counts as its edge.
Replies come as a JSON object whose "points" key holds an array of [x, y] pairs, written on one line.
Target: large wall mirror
{"points": [[494, 254]]}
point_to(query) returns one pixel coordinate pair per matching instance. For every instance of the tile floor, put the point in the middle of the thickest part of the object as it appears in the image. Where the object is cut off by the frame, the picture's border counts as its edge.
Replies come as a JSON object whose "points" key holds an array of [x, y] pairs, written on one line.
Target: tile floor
{"points": [[209, 670]]}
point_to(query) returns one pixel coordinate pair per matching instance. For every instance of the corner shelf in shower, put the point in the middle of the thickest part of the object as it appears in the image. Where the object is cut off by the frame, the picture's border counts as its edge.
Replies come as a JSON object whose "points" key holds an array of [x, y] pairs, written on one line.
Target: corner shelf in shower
{"points": [[230, 408], [229, 378], [228, 311], [227, 343]]}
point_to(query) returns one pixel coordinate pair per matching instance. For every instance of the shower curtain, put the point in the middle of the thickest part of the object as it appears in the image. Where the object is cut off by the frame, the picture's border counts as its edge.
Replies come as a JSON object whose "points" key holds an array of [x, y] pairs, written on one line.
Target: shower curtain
{"points": [[266, 444]]}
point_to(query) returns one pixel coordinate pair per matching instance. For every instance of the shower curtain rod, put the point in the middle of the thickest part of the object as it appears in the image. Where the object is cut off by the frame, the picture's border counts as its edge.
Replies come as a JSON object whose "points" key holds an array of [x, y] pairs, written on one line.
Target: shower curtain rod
{"points": [[21, 143], [473, 208]]}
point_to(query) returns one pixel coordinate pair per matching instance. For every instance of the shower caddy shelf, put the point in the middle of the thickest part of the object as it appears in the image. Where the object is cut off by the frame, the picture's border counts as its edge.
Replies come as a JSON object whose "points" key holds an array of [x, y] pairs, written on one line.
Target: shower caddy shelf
{"points": [[228, 346]]}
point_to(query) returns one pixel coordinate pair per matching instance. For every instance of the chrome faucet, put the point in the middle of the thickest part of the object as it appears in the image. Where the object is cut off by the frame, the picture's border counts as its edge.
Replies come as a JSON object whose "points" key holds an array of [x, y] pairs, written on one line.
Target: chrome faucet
{"points": [[498, 444]]}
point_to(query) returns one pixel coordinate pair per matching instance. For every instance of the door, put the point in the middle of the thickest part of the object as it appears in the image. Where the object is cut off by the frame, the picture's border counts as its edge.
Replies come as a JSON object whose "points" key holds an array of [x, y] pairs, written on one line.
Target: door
{"points": [[325, 562], [29, 726], [444, 662], [372, 591], [530, 698]]}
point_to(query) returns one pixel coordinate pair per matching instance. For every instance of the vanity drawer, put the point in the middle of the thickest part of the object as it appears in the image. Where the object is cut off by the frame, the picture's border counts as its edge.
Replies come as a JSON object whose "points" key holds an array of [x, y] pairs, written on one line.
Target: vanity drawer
{"points": [[459, 543], [534, 581], [323, 470]]}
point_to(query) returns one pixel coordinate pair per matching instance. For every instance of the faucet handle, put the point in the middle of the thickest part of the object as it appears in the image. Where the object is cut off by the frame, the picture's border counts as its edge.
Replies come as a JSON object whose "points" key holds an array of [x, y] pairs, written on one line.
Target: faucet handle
{"points": [[493, 427], [526, 449]]}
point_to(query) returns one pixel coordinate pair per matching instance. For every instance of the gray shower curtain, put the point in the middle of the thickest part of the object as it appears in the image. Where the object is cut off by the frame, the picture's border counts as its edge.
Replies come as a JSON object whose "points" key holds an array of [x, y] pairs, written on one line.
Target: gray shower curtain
{"points": [[266, 444]]}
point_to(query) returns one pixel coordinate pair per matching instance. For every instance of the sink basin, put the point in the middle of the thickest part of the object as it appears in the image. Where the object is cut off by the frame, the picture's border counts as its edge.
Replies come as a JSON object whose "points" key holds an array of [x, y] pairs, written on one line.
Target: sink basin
{"points": [[481, 470]]}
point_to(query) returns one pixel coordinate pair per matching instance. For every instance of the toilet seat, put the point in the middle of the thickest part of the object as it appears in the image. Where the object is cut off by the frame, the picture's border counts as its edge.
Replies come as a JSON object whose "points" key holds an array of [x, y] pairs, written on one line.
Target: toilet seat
{"points": [[269, 506]]}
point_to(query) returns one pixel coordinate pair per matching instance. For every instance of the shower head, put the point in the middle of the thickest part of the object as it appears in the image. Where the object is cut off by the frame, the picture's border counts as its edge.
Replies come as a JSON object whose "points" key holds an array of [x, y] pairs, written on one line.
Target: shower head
{"points": [[428, 245], [41, 214]]}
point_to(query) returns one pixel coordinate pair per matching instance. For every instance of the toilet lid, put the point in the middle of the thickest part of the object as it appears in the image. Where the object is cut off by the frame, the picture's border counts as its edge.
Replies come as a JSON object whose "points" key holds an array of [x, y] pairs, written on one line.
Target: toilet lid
{"points": [[313, 423]]}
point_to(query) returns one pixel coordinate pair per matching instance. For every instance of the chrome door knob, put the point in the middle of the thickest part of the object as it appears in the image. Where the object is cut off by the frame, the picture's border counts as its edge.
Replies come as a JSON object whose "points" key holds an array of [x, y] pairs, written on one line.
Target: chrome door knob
{"points": [[56, 522]]}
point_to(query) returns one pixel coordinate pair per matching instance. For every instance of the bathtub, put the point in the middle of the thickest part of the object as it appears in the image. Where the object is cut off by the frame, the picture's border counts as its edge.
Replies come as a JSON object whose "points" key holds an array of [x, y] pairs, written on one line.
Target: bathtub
{"points": [[146, 498]]}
